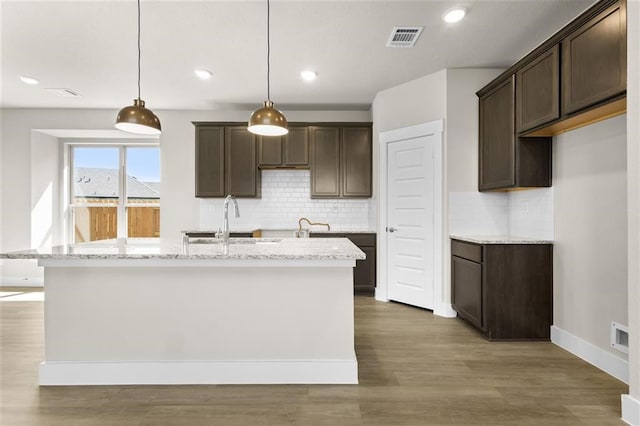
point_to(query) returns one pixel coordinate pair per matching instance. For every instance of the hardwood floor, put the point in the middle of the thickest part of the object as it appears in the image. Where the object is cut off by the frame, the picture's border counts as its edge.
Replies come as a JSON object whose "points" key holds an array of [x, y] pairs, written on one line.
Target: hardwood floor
{"points": [[414, 369]]}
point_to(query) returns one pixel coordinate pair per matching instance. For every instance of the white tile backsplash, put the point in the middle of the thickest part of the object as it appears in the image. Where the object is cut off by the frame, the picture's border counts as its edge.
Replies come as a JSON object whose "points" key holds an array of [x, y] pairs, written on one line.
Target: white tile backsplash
{"points": [[478, 213], [531, 213], [286, 198], [527, 213]]}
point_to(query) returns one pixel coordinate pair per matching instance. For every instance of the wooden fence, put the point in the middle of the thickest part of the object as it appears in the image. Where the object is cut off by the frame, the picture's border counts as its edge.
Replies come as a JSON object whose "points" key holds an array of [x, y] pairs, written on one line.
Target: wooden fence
{"points": [[100, 223]]}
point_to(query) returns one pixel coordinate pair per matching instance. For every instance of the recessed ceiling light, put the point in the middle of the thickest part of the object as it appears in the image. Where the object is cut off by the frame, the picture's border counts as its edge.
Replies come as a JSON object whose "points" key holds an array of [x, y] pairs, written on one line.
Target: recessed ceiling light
{"points": [[28, 80], [203, 73], [454, 15], [308, 75]]}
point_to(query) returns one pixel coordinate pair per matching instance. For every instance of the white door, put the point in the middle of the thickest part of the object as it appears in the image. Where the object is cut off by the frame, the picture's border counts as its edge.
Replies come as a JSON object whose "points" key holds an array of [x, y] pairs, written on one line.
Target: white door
{"points": [[410, 220]]}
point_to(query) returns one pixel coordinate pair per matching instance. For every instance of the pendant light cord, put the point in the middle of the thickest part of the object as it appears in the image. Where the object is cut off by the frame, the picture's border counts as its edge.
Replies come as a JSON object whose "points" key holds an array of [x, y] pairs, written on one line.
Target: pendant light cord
{"points": [[268, 55], [139, 50]]}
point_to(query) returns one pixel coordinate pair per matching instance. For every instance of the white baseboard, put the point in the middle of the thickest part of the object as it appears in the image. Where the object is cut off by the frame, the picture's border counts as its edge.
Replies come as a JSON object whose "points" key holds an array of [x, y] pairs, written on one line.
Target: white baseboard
{"points": [[630, 410], [598, 357], [199, 372], [21, 281], [445, 310]]}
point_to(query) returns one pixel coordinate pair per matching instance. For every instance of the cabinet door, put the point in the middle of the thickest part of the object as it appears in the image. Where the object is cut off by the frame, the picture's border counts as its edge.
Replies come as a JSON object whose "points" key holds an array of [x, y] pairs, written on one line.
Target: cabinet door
{"points": [[325, 162], [356, 162], [296, 147], [364, 273], [210, 162], [467, 297], [497, 138], [270, 150], [537, 91], [241, 173], [594, 60]]}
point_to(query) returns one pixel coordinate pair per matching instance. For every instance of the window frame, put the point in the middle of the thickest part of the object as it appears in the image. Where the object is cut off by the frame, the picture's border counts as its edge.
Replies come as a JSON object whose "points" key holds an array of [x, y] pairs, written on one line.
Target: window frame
{"points": [[122, 204]]}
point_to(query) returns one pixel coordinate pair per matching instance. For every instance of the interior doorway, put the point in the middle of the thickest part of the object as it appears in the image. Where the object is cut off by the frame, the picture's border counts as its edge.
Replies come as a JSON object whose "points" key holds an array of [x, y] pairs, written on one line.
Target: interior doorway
{"points": [[410, 225]]}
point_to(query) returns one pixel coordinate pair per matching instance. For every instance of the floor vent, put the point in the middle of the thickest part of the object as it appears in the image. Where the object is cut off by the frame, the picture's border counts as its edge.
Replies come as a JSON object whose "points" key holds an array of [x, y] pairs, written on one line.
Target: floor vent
{"points": [[404, 36], [619, 337]]}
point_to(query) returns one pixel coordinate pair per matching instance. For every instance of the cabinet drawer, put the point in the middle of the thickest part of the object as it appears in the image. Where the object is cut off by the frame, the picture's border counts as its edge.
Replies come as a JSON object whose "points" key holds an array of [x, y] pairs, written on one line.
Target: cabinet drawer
{"points": [[468, 251]]}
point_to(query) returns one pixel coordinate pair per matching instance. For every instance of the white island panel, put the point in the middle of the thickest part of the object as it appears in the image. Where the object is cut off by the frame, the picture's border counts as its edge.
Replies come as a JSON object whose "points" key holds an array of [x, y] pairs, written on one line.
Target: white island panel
{"points": [[154, 311], [126, 325]]}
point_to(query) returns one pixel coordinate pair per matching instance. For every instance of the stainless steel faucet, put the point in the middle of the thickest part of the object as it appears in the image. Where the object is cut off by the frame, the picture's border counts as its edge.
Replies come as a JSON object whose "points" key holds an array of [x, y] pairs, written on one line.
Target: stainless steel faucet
{"points": [[225, 218]]}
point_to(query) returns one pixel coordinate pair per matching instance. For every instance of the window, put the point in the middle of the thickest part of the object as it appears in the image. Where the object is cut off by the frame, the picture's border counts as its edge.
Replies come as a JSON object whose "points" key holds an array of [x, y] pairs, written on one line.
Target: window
{"points": [[115, 192]]}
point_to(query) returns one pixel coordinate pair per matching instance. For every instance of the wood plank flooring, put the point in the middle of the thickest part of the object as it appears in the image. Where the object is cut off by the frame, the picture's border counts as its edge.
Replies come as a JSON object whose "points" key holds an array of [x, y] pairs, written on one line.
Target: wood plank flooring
{"points": [[414, 369]]}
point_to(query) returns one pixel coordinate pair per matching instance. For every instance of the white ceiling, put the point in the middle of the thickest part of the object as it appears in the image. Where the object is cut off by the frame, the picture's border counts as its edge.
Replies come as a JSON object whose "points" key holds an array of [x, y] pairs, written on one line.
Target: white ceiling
{"points": [[90, 47]]}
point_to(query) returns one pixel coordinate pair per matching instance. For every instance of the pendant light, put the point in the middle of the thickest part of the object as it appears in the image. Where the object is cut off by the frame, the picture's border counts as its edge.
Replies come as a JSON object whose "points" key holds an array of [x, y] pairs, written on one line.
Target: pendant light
{"points": [[268, 121], [137, 118]]}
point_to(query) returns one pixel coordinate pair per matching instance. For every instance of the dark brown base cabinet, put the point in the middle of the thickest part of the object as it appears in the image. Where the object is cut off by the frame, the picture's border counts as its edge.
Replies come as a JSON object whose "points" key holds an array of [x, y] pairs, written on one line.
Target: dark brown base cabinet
{"points": [[364, 274], [504, 291]]}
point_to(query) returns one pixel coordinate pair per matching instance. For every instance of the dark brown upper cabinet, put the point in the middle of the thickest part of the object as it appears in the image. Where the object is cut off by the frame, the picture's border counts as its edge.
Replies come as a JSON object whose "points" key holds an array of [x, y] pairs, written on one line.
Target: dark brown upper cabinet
{"points": [[226, 162], [594, 60], [497, 138], [538, 91], [325, 162], [242, 177], [289, 151], [210, 162], [340, 162], [355, 156], [505, 160]]}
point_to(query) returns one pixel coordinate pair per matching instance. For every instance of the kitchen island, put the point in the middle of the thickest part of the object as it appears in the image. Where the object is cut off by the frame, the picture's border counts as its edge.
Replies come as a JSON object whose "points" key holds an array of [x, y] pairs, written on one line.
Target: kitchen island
{"points": [[156, 312]]}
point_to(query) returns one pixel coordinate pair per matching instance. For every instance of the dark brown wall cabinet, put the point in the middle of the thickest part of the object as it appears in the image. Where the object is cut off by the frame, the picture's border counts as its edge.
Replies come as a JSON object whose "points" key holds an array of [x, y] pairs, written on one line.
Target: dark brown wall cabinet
{"points": [[226, 162], [505, 160], [575, 78], [340, 162], [538, 91], [289, 151], [364, 273], [504, 290], [594, 60]]}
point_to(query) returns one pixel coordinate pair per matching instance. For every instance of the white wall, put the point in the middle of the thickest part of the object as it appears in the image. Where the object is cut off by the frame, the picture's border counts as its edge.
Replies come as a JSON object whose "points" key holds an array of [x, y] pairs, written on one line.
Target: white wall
{"points": [[29, 161], [633, 202], [450, 95], [590, 251]]}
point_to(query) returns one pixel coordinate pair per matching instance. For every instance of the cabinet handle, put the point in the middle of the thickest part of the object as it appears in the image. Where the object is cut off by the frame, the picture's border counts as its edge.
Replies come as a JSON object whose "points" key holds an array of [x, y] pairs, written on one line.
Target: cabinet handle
{"points": [[391, 229]]}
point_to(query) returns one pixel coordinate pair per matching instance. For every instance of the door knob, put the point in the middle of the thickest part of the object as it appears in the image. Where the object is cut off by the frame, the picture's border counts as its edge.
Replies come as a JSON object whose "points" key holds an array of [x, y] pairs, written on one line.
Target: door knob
{"points": [[391, 229]]}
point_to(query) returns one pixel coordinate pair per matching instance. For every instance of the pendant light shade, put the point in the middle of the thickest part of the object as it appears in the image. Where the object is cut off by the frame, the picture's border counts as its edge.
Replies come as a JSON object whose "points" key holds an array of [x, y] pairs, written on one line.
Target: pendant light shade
{"points": [[137, 118], [268, 121]]}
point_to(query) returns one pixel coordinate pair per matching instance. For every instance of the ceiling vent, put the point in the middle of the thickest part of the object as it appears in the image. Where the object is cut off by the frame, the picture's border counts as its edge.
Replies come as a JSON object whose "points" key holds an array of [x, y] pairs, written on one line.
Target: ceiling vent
{"points": [[404, 36], [65, 93]]}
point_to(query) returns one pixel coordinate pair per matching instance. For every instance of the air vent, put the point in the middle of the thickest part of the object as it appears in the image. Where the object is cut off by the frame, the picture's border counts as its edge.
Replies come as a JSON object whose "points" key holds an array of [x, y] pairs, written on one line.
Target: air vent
{"points": [[65, 93], [404, 36], [619, 337]]}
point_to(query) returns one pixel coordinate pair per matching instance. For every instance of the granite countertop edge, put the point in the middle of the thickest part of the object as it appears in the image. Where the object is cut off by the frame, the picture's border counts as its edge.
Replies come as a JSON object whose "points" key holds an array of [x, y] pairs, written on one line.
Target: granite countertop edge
{"points": [[294, 249], [499, 239]]}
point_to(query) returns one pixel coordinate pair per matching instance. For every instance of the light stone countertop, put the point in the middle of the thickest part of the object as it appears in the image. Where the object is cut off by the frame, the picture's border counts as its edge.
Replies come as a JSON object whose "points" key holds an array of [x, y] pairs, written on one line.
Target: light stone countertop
{"points": [[238, 249], [499, 239], [284, 231]]}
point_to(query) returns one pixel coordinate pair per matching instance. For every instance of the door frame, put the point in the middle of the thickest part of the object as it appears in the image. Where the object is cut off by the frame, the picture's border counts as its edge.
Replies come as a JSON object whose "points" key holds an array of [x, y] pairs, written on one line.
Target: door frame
{"points": [[435, 128]]}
